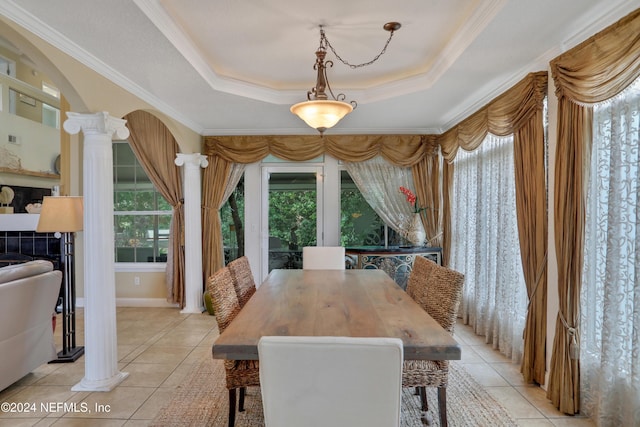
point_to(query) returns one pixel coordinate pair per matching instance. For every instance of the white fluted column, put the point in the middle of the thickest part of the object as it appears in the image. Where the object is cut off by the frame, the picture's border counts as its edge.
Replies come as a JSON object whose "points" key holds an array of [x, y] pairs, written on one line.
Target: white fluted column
{"points": [[100, 337], [192, 230]]}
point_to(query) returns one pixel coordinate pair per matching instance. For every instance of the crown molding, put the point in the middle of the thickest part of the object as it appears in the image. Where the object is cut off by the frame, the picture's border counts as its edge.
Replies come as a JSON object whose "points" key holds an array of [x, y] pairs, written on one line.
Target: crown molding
{"points": [[15, 13], [334, 131], [590, 24], [466, 34], [605, 14], [456, 46], [187, 48]]}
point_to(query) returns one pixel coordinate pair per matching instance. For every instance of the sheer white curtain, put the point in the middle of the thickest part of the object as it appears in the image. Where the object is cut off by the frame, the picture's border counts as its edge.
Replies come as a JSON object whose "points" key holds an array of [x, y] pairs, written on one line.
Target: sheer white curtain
{"points": [[237, 169], [610, 294], [485, 244], [379, 182]]}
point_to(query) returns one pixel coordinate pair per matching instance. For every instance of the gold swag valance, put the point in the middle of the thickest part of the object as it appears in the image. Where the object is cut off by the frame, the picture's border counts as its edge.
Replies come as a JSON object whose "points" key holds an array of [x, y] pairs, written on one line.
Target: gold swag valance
{"points": [[401, 150], [602, 66], [504, 115]]}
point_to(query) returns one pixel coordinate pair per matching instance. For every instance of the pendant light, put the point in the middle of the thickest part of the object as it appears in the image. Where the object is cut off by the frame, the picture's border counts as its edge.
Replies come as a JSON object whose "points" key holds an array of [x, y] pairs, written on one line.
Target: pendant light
{"points": [[318, 111]]}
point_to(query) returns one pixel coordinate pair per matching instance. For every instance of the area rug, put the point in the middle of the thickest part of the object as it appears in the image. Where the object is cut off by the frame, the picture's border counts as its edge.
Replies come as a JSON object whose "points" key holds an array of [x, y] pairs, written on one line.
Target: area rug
{"points": [[202, 400]]}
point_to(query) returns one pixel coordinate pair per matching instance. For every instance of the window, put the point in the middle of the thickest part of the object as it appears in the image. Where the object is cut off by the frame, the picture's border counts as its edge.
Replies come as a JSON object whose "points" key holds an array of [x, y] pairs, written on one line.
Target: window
{"points": [[360, 225], [232, 220], [50, 114], [141, 215], [51, 90]]}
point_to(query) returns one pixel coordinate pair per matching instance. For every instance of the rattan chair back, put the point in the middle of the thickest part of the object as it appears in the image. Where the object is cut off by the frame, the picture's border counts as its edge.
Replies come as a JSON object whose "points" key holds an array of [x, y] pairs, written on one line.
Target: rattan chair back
{"points": [[438, 290], [239, 374], [243, 281], [421, 270], [223, 297], [444, 288]]}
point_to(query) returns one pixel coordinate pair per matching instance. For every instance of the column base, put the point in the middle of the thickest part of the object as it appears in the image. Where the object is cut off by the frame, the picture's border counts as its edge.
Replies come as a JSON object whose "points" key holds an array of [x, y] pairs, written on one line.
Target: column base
{"points": [[194, 310], [100, 385]]}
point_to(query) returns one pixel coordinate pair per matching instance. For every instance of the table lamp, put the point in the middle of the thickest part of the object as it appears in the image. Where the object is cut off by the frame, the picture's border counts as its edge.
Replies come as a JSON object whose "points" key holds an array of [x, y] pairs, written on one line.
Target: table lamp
{"points": [[63, 216]]}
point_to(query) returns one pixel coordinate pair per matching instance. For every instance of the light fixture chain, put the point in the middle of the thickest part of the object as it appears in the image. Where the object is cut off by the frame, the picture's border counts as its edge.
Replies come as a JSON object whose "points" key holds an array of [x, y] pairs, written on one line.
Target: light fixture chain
{"points": [[364, 64]]}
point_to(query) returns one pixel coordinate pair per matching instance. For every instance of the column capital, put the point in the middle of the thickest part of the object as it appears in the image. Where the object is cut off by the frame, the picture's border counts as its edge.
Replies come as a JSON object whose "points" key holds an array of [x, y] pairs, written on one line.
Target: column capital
{"points": [[193, 159], [96, 123]]}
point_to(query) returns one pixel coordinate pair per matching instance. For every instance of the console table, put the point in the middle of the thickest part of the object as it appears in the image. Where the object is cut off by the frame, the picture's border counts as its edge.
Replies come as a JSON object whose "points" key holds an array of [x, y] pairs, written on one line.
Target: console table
{"points": [[396, 261]]}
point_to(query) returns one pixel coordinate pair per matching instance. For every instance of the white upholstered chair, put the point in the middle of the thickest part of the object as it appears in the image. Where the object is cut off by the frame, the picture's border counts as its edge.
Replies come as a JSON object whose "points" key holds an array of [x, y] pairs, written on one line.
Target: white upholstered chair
{"points": [[330, 381], [323, 258]]}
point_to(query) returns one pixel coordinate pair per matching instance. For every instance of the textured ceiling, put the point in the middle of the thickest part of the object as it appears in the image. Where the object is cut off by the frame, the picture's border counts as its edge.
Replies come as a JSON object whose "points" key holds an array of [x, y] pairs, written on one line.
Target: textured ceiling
{"points": [[234, 67]]}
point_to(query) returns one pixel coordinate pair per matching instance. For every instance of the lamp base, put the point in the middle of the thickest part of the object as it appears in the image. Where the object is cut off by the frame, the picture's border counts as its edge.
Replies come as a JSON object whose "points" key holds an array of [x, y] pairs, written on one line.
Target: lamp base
{"points": [[70, 356]]}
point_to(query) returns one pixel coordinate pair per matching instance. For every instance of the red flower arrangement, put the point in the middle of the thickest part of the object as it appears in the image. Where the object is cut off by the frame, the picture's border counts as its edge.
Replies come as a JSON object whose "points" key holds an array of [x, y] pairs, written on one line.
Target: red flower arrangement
{"points": [[411, 198]]}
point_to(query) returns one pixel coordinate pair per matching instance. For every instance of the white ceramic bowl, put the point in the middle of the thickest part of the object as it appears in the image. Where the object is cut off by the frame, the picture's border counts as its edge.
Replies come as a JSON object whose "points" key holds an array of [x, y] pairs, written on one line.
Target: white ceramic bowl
{"points": [[33, 208]]}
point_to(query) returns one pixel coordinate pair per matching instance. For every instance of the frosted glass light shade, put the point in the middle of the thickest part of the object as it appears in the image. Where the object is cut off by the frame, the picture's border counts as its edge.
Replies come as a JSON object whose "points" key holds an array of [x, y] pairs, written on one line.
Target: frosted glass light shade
{"points": [[321, 114], [60, 214]]}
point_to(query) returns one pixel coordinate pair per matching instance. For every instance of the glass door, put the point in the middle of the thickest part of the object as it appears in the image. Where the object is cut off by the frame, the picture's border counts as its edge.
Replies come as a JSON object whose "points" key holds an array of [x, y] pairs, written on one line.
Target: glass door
{"points": [[291, 214]]}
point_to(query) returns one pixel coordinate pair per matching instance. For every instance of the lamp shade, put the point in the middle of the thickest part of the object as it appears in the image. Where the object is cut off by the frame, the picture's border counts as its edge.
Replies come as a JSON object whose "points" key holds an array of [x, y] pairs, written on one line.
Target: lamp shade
{"points": [[321, 114], [60, 214]]}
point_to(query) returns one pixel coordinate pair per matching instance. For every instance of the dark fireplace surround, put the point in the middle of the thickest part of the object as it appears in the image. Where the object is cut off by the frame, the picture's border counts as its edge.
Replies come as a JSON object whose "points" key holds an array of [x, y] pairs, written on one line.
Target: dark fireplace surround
{"points": [[22, 245]]}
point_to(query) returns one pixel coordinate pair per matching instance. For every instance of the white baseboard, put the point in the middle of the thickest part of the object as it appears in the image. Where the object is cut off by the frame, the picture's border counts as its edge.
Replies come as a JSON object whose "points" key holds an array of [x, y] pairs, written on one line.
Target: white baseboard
{"points": [[136, 302]]}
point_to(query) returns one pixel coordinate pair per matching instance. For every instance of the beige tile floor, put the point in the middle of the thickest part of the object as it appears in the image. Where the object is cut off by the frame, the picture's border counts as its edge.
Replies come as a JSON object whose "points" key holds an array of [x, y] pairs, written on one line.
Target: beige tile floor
{"points": [[159, 346]]}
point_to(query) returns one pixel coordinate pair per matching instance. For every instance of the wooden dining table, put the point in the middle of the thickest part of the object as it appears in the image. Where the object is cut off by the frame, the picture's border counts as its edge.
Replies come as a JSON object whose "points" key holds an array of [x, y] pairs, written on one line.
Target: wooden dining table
{"points": [[350, 303]]}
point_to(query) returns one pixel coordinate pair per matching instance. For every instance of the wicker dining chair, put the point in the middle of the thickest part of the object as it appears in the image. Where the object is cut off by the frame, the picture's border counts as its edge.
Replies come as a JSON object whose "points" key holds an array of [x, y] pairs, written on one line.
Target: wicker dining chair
{"points": [[242, 277], [438, 290], [239, 373], [421, 269]]}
